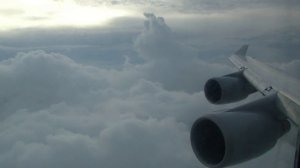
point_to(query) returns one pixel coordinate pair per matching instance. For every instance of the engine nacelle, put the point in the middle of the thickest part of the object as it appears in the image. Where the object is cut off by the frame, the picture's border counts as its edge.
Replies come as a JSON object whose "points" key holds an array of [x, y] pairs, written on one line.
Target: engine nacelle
{"points": [[227, 89], [225, 139]]}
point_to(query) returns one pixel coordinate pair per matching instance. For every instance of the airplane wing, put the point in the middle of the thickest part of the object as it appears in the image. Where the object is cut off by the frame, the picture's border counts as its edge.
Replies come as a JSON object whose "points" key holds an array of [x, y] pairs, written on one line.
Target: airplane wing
{"points": [[248, 131], [241, 62], [267, 80]]}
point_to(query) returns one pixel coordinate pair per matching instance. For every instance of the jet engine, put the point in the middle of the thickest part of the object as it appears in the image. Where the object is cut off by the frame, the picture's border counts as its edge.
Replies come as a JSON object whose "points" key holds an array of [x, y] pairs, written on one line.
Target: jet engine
{"points": [[237, 135], [228, 88]]}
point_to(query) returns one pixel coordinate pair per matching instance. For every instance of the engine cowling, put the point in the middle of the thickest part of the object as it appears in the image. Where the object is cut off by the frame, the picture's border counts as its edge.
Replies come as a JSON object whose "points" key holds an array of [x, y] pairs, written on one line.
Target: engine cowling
{"points": [[233, 137], [227, 89], [238, 135]]}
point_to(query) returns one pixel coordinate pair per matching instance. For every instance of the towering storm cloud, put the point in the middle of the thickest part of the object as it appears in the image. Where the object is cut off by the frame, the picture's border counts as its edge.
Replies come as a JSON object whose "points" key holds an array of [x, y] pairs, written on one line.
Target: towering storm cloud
{"points": [[170, 62]]}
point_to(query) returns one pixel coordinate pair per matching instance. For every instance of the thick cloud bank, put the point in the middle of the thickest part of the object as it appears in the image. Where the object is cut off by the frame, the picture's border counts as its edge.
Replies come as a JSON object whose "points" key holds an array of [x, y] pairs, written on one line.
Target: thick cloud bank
{"points": [[59, 113], [56, 112]]}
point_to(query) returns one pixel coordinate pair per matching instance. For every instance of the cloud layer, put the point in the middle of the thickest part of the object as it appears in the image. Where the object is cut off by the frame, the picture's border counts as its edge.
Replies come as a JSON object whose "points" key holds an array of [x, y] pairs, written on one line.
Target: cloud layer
{"points": [[56, 112]]}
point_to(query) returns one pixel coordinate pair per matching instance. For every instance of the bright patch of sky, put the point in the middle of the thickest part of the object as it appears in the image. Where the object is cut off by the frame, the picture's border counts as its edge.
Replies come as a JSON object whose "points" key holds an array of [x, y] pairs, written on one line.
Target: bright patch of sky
{"points": [[18, 14]]}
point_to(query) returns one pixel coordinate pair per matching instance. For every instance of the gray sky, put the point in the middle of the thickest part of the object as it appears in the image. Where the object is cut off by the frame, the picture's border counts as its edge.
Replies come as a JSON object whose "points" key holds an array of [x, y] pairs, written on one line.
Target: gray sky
{"points": [[101, 84]]}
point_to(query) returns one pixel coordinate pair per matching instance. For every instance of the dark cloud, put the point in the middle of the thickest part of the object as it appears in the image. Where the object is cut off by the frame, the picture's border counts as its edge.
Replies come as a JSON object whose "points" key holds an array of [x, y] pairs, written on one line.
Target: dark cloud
{"points": [[193, 6], [273, 34], [221, 6]]}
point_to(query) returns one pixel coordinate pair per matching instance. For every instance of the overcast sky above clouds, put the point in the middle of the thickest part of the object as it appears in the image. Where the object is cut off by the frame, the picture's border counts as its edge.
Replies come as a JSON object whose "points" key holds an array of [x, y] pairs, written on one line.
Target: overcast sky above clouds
{"points": [[101, 84]]}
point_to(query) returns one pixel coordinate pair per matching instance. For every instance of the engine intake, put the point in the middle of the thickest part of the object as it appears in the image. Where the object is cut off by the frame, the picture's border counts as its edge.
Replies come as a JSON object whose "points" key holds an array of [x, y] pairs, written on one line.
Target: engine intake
{"points": [[229, 138], [227, 89]]}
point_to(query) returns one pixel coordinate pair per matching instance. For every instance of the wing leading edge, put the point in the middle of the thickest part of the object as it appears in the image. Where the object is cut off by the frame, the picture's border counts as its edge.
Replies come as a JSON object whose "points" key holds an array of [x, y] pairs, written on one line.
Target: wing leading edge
{"points": [[240, 60], [268, 80]]}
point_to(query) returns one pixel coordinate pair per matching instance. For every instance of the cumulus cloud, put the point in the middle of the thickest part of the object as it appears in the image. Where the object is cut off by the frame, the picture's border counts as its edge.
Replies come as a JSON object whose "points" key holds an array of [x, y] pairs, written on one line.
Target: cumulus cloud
{"points": [[56, 112], [59, 113], [171, 63], [37, 79]]}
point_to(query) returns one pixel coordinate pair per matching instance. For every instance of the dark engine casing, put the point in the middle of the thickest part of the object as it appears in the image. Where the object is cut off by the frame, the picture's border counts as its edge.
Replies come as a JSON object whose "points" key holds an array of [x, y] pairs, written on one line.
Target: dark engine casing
{"points": [[227, 89], [231, 137]]}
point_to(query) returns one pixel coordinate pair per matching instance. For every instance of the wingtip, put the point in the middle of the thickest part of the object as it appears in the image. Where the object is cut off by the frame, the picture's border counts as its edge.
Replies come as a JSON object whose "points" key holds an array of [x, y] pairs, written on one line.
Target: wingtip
{"points": [[242, 51]]}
